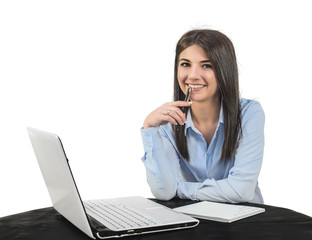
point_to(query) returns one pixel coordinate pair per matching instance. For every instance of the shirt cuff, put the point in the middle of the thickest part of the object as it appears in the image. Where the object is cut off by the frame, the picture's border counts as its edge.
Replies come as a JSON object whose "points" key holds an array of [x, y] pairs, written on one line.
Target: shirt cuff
{"points": [[188, 190]]}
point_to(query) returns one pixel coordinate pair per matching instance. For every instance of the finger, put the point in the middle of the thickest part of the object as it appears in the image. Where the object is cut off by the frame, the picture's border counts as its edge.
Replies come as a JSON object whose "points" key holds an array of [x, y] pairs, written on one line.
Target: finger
{"points": [[179, 112], [177, 115], [177, 104], [167, 118], [181, 104]]}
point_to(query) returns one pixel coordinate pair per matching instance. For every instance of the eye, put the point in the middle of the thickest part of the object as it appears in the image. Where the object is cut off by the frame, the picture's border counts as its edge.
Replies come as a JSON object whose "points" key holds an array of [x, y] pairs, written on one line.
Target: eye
{"points": [[207, 66], [185, 64]]}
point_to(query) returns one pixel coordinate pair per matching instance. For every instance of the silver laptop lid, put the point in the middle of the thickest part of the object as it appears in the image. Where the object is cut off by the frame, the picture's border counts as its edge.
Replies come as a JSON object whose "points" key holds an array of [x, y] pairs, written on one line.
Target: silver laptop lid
{"points": [[66, 199], [58, 178]]}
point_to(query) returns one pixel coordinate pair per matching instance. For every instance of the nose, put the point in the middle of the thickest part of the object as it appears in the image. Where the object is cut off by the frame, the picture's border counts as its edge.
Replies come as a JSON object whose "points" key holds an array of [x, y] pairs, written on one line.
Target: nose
{"points": [[194, 73]]}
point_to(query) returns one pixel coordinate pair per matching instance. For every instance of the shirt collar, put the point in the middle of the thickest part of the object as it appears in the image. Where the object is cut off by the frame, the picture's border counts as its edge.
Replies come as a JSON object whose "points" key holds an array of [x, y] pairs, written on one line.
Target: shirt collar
{"points": [[190, 124]]}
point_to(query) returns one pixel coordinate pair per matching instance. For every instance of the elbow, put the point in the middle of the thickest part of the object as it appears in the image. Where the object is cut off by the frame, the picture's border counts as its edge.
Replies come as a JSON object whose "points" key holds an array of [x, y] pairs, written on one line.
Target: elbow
{"points": [[244, 196], [240, 191], [164, 194], [162, 190], [244, 199], [164, 197]]}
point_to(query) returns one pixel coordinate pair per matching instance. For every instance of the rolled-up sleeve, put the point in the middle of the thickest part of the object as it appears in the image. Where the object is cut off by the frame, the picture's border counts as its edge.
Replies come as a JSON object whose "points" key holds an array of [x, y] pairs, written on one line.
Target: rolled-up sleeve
{"points": [[160, 170], [242, 180]]}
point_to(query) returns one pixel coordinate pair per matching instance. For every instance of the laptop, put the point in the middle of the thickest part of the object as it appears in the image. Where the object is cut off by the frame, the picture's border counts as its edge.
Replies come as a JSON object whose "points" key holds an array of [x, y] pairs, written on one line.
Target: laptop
{"points": [[105, 218]]}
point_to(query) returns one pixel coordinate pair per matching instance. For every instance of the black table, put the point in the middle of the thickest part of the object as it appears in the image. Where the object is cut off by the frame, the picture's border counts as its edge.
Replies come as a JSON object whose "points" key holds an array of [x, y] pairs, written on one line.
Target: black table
{"points": [[276, 223]]}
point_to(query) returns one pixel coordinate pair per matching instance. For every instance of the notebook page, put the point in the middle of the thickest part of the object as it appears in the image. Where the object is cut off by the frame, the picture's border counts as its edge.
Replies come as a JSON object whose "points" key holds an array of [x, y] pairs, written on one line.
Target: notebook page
{"points": [[219, 211]]}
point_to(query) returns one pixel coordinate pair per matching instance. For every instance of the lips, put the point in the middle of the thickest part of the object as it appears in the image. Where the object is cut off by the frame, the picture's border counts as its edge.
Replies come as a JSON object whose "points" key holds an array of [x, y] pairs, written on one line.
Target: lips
{"points": [[196, 86]]}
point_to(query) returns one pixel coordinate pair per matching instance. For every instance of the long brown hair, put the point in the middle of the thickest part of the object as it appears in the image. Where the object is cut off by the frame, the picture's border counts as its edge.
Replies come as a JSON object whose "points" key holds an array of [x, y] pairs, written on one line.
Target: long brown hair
{"points": [[221, 53]]}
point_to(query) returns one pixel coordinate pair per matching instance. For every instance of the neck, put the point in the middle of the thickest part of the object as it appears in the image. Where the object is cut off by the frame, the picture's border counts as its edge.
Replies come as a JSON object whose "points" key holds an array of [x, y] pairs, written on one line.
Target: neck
{"points": [[206, 112]]}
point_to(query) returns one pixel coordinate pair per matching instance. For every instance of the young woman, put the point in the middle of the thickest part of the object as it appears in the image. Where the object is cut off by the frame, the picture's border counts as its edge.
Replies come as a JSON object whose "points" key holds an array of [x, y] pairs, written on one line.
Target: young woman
{"points": [[214, 151]]}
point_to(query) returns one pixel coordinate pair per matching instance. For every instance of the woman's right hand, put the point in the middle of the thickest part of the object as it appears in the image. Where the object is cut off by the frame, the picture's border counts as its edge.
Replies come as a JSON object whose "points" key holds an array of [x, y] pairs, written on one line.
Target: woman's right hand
{"points": [[168, 112]]}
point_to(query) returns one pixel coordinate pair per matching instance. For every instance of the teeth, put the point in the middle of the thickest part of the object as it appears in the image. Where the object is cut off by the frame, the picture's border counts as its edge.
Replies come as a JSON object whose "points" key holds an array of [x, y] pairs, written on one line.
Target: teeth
{"points": [[196, 86]]}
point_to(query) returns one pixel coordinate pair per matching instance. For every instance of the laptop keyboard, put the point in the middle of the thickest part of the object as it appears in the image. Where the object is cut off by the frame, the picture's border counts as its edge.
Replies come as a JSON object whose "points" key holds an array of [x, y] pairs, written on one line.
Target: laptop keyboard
{"points": [[117, 216]]}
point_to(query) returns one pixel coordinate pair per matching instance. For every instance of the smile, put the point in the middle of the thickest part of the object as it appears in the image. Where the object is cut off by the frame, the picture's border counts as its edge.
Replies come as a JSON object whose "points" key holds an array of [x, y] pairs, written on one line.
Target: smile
{"points": [[196, 86]]}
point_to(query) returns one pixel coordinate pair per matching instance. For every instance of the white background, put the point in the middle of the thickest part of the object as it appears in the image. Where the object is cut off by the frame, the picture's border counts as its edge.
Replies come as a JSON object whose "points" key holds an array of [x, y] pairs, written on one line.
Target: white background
{"points": [[90, 71]]}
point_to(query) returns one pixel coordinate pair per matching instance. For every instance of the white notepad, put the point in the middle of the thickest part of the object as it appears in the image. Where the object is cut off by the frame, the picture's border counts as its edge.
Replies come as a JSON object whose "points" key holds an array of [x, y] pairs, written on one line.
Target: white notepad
{"points": [[219, 211]]}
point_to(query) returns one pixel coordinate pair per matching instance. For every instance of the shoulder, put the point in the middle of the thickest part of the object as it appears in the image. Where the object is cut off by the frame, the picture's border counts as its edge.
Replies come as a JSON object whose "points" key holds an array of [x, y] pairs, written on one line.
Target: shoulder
{"points": [[251, 109]]}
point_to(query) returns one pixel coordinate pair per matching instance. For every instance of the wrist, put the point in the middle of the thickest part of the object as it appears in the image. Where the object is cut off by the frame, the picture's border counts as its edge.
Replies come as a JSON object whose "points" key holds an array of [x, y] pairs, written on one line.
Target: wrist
{"points": [[146, 126]]}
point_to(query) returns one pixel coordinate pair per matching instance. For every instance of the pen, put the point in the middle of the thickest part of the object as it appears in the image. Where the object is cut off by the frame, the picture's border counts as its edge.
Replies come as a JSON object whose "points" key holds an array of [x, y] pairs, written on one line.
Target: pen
{"points": [[187, 98]]}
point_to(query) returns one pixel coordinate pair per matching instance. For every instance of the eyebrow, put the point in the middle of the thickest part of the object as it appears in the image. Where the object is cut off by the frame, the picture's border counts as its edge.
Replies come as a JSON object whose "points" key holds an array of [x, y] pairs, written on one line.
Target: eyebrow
{"points": [[184, 59]]}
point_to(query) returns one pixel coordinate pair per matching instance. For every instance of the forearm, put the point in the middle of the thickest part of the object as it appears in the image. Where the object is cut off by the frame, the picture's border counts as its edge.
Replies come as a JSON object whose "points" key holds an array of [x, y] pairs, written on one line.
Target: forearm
{"points": [[158, 168], [218, 191]]}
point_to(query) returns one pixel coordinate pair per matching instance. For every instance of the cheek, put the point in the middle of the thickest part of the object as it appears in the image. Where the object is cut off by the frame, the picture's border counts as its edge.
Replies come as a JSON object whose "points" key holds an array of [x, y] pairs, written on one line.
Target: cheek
{"points": [[182, 76], [210, 78], [181, 79]]}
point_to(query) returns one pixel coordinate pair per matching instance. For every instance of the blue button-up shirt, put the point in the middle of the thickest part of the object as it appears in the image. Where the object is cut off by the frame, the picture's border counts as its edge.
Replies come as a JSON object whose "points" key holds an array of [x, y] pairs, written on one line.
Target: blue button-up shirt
{"points": [[204, 177]]}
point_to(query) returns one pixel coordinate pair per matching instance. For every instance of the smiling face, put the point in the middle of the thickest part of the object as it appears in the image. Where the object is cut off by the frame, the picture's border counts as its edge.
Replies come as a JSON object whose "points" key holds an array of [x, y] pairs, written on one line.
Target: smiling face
{"points": [[195, 71]]}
